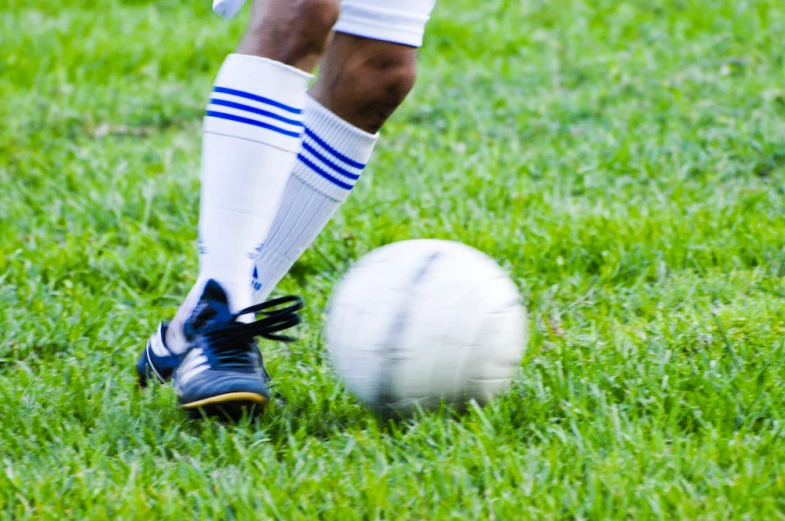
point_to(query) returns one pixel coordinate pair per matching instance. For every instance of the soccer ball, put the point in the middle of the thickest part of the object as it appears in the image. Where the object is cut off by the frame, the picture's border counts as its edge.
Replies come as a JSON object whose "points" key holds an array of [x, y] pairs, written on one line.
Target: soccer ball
{"points": [[417, 322]]}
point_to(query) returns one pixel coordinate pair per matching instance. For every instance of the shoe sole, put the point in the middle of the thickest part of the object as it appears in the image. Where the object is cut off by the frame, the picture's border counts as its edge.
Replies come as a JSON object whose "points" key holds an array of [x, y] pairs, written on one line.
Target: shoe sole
{"points": [[231, 405]]}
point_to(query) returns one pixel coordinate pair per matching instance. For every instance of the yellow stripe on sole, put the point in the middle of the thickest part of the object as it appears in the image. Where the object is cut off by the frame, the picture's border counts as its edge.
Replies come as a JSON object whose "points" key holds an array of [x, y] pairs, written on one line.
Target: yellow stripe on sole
{"points": [[227, 398]]}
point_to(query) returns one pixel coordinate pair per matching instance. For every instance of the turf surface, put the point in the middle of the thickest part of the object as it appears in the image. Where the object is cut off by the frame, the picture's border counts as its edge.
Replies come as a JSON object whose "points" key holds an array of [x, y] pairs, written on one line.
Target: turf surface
{"points": [[624, 160]]}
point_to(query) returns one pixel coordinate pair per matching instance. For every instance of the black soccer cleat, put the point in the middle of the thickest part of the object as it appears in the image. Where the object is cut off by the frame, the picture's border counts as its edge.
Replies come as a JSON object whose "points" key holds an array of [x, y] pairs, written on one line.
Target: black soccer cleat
{"points": [[222, 373], [157, 361]]}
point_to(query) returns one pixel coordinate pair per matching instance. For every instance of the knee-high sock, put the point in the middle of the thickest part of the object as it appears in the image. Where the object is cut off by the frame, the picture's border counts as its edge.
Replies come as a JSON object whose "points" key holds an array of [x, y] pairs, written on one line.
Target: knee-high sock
{"points": [[333, 155], [252, 132]]}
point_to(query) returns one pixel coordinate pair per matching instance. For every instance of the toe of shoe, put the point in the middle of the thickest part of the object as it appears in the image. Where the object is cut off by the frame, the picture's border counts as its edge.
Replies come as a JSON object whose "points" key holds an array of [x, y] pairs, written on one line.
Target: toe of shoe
{"points": [[142, 369]]}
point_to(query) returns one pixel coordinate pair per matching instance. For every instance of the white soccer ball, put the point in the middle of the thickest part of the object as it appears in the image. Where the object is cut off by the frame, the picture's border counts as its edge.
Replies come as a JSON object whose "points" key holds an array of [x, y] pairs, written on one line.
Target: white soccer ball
{"points": [[417, 322]]}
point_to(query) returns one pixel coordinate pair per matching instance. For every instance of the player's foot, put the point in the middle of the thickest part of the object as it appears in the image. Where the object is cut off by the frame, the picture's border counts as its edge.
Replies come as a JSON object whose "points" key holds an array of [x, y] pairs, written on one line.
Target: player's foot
{"points": [[223, 373], [157, 361]]}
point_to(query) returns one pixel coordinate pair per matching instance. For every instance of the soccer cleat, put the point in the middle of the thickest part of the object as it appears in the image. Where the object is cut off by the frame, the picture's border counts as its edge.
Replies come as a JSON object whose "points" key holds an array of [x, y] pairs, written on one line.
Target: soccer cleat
{"points": [[157, 361], [222, 373]]}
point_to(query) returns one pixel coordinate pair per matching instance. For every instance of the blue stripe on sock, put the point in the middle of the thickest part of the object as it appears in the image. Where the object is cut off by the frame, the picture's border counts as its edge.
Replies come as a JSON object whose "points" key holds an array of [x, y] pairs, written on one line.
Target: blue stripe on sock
{"points": [[337, 182], [260, 99], [331, 150], [253, 122], [248, 108], [329, 163]]}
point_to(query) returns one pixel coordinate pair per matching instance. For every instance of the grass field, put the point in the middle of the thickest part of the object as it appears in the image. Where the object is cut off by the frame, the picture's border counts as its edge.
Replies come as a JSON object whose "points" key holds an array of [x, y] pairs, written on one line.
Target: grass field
{"points": [[625, 161]]}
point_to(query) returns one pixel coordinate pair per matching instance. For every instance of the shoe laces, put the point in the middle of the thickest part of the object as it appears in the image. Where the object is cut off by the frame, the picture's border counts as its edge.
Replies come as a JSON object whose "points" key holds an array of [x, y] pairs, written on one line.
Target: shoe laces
{"points": [[237, 339]]}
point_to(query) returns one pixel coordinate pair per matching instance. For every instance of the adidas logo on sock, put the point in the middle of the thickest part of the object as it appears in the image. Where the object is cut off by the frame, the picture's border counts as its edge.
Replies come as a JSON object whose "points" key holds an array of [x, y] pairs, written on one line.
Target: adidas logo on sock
{"points": [[255, 284]]}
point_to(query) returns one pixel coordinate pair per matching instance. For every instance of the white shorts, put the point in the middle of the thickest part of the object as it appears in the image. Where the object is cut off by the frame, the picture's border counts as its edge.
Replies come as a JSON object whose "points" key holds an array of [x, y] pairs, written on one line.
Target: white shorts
{"points": [[397, 21]]}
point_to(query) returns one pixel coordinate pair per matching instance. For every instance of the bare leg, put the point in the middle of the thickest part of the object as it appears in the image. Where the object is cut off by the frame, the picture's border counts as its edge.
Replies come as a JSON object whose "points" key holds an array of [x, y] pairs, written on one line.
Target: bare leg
{"points": [[294, 32], [363, 81]]}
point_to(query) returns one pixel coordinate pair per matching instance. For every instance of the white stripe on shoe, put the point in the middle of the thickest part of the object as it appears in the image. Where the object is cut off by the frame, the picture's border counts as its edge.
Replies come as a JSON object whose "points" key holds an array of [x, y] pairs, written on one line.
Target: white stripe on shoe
{"points": [[194, 363]]}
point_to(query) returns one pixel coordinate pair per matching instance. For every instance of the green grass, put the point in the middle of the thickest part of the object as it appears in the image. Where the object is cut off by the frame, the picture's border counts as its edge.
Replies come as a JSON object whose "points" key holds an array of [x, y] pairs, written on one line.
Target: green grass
{"points": [[625, 161]]}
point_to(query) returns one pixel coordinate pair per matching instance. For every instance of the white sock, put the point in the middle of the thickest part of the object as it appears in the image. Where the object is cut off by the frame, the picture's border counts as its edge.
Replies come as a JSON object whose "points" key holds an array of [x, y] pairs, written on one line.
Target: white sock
{"points": [[332, 157], [252, 133]]}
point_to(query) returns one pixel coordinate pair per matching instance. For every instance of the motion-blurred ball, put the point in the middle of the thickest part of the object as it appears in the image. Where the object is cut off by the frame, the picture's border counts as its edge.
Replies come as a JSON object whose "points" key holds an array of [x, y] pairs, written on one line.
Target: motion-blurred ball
{"points": [[417, 322]]}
